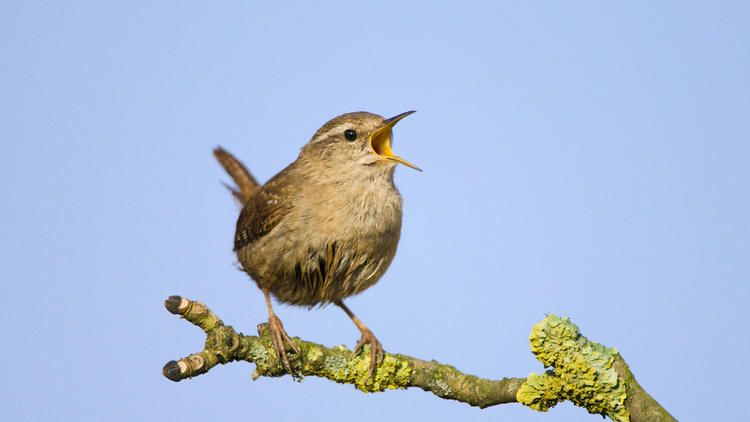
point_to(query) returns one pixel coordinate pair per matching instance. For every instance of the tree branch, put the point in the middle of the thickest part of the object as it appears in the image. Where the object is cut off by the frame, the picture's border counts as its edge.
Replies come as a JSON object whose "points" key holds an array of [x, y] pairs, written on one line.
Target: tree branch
{"points": [[224, 345], [589, 374]]}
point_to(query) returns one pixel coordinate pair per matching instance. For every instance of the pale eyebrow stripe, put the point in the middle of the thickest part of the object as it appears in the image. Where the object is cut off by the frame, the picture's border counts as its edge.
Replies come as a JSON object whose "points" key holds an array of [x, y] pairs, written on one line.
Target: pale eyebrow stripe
{"points": [[325, 134]]}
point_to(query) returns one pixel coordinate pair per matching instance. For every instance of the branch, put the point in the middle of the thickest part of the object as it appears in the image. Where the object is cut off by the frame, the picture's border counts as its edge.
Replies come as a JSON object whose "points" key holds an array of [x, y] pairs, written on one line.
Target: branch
{"points": [[224, 345], [589, 374]]}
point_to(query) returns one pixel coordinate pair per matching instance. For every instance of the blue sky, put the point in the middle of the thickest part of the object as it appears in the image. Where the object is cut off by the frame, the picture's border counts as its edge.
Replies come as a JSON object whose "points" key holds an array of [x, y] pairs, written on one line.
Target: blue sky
{"points": [[588, 159]]}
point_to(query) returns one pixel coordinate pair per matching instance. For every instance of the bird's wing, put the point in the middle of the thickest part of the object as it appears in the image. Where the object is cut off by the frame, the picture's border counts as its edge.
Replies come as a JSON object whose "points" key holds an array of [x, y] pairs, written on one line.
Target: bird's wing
{"points": [[264, 210]]}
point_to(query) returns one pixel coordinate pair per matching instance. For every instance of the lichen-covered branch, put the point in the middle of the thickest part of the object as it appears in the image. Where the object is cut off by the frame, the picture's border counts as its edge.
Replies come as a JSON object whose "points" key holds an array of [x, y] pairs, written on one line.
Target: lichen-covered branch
{"points": [[590, 375], [224, 345]]}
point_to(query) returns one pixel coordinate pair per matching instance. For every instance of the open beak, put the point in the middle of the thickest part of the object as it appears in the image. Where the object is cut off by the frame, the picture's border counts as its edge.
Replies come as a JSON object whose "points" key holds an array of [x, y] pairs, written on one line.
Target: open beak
{"points": [[380, 140]]}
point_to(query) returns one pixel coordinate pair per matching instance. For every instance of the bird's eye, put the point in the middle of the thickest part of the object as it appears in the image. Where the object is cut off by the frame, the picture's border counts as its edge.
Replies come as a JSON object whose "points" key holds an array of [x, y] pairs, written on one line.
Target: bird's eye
{"points": [[350, 135]]}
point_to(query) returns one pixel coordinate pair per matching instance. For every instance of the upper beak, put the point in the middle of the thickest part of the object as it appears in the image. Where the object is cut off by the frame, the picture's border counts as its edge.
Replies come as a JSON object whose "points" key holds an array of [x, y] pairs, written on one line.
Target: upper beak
{"points": [[380, 140]]}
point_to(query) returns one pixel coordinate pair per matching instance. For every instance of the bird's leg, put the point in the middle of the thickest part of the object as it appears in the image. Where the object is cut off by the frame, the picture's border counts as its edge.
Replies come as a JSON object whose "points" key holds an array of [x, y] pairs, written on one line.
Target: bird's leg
{"points": [[376, 349], [279, 337]]}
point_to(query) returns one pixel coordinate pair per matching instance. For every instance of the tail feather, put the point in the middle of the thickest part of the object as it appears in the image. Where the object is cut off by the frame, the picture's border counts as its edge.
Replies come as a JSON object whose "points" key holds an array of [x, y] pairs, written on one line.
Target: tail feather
{"points": [[246, 183]]}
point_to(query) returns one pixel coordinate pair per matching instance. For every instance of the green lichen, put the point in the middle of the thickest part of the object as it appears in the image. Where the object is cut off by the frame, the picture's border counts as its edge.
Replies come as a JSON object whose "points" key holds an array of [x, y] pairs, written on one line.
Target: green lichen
{"points": [[392, 373], [313, 354], [337, 364], [540, 392], [581, 372]]}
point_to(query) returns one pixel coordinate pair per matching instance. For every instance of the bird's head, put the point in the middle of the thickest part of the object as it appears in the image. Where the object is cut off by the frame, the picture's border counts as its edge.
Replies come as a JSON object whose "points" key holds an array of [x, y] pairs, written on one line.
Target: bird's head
{"points": [[356, 139]]}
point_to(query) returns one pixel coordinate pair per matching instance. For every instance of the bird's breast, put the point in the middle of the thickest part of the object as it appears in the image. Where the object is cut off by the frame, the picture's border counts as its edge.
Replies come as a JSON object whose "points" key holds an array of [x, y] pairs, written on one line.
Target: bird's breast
{"points": [[337, 241], [356, 210]]}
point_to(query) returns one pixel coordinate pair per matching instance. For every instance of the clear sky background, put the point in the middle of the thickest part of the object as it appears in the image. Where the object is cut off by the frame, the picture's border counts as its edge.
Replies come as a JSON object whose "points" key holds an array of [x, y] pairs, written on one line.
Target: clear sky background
{"points": [[588, 159]]}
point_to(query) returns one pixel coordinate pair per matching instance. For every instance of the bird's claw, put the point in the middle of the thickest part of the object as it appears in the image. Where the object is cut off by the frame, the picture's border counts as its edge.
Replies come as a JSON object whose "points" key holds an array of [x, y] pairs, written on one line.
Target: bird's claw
{"points": [[376, 350], [281, 343]]}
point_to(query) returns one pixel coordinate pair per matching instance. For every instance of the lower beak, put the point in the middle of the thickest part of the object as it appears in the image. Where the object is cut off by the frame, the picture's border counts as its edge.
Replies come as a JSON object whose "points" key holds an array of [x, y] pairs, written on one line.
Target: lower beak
{"points": [[380, 140]]}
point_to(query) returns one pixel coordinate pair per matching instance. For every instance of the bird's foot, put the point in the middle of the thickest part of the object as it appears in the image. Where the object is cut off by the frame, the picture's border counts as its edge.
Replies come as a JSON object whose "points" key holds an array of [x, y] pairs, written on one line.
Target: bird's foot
{"points": [[376, 350], [281, 343]]}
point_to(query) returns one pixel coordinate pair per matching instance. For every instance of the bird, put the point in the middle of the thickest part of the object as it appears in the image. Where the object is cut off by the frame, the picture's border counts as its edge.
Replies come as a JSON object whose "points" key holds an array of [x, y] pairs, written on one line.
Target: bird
{"points": [[324, 228]]}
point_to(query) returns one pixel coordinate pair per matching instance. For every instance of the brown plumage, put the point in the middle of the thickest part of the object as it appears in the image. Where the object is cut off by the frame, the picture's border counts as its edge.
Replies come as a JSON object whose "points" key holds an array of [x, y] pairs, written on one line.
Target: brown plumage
{"points": [[327, 226], [246, 183]]}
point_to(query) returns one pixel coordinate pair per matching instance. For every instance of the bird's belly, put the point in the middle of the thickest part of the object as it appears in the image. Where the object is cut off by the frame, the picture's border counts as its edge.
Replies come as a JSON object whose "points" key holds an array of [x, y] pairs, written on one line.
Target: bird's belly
{"points": [[314, 257], [320, 268]]}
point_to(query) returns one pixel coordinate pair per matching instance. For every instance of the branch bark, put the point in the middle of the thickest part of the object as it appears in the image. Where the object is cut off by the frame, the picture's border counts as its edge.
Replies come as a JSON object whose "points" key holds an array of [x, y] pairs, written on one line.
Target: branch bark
{"points": [[598, 379]]}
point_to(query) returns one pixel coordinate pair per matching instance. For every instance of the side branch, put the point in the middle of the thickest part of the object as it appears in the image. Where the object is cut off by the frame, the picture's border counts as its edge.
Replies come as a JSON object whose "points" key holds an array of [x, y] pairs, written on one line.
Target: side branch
{"points": [[224, 345]]}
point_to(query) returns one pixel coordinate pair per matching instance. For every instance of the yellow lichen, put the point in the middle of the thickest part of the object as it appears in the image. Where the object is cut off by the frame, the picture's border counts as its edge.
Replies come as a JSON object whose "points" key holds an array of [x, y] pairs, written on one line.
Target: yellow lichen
{"points": [[392, 373], [540, 392], [581, 371], [314, 353]]}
